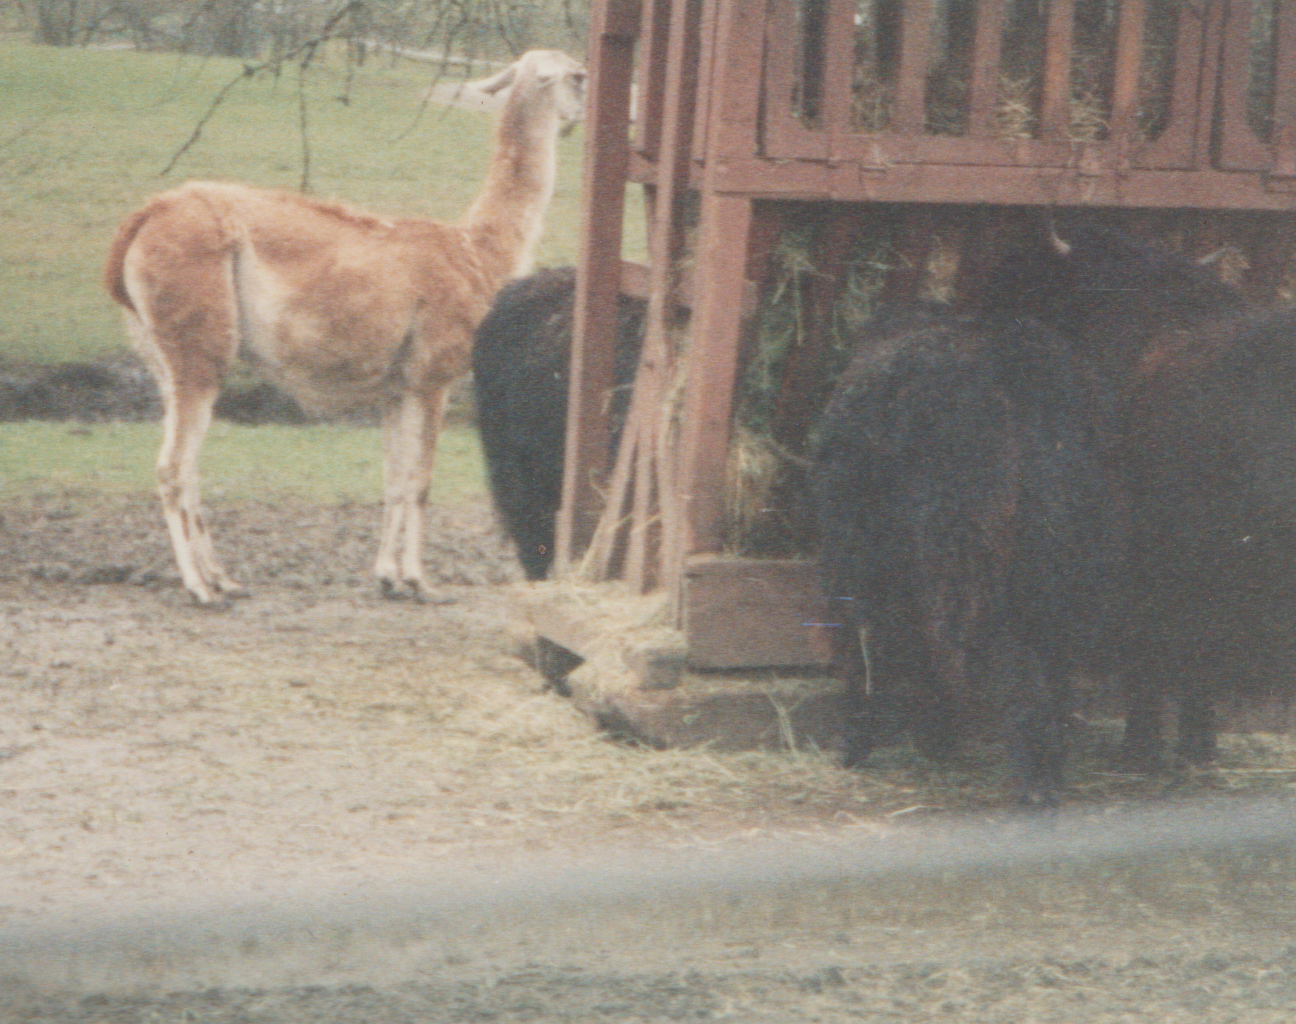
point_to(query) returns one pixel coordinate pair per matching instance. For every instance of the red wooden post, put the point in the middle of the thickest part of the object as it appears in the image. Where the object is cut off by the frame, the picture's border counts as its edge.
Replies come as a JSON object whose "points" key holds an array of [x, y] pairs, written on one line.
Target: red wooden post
{"points": [[667, 243], [598, 277], [724, 237], [1055, 102]]}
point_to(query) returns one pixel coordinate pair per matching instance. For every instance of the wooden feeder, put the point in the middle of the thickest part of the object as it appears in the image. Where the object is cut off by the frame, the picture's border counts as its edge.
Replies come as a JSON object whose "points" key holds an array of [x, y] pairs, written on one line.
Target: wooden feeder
{"points": [[750, 114]]}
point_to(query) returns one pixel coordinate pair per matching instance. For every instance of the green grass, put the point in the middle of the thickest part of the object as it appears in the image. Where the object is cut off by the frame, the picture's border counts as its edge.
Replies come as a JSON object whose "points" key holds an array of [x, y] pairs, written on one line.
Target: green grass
{"points": [[327, 463], [84, 135]]}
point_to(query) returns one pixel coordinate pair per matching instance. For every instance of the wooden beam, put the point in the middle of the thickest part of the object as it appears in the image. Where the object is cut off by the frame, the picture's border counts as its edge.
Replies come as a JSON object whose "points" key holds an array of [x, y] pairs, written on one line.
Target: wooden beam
{"points": [[754, 613], [1005, 186], [723, 240], [1055, 102], [651, 56], [910, 110], [667, 246], [983, 92], [598, 276], [1125, 74]]}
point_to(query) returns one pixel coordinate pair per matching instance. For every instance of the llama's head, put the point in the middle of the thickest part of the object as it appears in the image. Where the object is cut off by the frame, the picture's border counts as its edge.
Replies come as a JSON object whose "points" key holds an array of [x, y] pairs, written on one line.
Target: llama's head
{"points": [[544, 77]]}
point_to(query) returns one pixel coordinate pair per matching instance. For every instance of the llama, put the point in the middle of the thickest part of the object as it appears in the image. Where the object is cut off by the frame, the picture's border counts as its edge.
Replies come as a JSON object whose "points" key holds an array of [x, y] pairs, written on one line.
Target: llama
{"points": [[341, 308]]}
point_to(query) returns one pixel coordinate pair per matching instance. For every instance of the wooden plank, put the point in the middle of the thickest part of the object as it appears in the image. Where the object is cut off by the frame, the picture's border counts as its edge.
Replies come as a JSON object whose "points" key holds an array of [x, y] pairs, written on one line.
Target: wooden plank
{"points": [[1055, 102], [1125, 75], [1213, 21], [984, 88], [736, 94], [667, 244], [1240, 148], [723, 241], [1284, 132], [651, 57], [1007, 186], [786, 135], [598, 276], [720, 713], [909, 113], [749, 613], [706, 78]]}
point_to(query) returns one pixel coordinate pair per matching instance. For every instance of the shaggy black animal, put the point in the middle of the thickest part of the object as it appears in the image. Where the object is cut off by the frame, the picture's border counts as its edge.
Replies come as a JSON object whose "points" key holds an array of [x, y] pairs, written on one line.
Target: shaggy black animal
{"points": [[1108, 293], [970, 535], [1210, 454], [1207, 452], [520, 373]]}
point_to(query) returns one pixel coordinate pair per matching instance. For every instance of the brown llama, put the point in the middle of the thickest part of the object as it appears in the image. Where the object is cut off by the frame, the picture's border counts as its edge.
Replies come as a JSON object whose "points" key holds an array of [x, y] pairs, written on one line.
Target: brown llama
{"points": [[340, 308]]}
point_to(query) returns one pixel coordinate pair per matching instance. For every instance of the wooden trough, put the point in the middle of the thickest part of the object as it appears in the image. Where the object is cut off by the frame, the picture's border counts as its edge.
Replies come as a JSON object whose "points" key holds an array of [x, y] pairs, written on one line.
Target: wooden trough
{"points": [[908, 119]]}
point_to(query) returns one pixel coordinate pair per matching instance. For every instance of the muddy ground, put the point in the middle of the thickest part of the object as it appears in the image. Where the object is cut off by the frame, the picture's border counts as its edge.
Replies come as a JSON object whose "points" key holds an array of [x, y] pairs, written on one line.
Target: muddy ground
{"points": [[162, 762]]}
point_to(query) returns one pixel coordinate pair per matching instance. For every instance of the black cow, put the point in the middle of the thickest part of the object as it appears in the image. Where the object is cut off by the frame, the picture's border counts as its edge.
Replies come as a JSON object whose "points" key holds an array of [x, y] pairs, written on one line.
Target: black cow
{"points": [[970, 535], [520, 374], [1210, 454], [1206, 448]]}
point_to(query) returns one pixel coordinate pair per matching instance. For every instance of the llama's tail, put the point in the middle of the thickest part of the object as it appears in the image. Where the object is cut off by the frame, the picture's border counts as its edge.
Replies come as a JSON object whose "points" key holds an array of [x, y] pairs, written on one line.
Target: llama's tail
{"points": [[113, 277]]}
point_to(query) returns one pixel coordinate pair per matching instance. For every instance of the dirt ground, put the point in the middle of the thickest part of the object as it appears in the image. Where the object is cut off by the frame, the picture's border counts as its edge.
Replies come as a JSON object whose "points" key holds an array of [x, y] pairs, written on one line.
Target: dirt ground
{"points": [[163, 762]]}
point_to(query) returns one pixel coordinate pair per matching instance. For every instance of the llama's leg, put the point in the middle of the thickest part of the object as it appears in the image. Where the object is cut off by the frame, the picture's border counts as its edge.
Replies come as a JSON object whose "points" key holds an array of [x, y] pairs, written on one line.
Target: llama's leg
{"points": [[188, 415], [410, 431]]}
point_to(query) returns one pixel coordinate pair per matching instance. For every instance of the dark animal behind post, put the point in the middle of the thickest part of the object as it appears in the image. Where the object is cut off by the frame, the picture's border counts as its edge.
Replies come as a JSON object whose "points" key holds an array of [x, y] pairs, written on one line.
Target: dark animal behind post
{"points": [[970, 537], [520, 372]]}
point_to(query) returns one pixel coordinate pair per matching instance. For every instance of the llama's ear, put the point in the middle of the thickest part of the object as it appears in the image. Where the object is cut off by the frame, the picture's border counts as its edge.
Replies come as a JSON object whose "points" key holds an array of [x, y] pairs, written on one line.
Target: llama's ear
{"points": [[495, 83]]}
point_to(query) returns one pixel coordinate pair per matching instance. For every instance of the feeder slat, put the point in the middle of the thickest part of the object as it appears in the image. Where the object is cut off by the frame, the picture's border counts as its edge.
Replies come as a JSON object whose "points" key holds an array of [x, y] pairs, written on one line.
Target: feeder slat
{"points": [[984, 88], [1055, 104], [910, 113], [594, 329], [1242, 149], [1127, 69]]}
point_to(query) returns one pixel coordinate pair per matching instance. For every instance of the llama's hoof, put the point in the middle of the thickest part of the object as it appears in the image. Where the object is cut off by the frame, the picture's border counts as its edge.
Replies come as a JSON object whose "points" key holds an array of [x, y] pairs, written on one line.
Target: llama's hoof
{"points": [[218, 603]]}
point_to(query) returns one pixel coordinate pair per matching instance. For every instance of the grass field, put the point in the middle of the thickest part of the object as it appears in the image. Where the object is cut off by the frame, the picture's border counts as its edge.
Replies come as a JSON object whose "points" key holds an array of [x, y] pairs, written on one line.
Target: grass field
{"points": [[84, 135], [324, 463]]}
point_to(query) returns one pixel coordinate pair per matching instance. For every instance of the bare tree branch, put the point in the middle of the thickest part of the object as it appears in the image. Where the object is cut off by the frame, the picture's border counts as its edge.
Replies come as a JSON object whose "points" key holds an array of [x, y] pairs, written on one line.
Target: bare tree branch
{"points": [[302, 54]]}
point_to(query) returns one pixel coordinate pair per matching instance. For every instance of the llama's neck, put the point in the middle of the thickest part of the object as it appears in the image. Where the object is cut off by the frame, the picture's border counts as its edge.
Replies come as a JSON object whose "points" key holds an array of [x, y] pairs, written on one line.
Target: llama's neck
{"points": [[507, 216]]}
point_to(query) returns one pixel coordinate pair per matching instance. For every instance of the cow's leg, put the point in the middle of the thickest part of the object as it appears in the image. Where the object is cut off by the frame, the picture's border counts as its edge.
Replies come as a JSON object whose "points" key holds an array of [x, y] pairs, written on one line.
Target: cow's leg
{"points": [[1141, 745], [884, 667], [1196, 743], [1036, 726]]}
